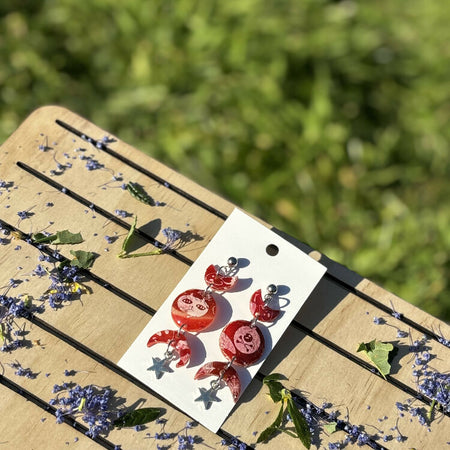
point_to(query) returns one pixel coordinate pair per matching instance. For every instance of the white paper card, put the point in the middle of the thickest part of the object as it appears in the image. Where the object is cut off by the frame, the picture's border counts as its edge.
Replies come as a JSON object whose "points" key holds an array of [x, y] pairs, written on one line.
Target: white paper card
{"points": [[294, 273]]}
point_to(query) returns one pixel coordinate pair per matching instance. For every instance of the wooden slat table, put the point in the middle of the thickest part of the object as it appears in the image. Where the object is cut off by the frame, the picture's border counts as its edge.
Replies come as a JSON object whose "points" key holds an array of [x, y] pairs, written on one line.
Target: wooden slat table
{"points": [[317, 354]]}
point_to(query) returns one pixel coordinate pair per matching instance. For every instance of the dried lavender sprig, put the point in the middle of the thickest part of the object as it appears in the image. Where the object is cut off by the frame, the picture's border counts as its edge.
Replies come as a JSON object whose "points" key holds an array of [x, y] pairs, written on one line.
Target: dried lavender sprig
{"points": [[90, 402]]}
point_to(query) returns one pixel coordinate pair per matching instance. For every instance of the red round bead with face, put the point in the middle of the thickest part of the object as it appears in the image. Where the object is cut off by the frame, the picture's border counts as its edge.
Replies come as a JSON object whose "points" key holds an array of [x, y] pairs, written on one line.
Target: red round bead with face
{"points": [[194, 309], [244, 342]]}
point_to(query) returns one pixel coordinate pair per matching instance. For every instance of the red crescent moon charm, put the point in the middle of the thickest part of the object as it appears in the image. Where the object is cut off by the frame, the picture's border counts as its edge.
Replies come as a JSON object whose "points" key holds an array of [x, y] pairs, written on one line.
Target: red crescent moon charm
{"points": [[242, 341], [258, 307], [177, 340], [230, 376], [218, 281]]}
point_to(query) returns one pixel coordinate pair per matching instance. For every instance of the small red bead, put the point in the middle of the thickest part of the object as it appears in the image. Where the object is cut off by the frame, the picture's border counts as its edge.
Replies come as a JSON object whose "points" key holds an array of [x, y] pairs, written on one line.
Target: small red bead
{"points": [[194, 309], [243, 341]]}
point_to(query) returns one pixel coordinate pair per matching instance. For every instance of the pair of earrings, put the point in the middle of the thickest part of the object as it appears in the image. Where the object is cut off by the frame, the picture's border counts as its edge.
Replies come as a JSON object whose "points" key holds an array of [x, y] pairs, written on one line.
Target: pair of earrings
{"points": [[241, 341]]}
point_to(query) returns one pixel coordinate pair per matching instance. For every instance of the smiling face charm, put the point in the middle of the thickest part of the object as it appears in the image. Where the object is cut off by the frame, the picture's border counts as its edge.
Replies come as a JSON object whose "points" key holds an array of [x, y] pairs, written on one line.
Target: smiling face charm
{"points": [[243, 341], [194, 309]]}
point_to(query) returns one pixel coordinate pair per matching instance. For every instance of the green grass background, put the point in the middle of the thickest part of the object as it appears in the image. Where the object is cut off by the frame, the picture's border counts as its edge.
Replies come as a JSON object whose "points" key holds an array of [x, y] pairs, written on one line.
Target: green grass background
{"points": [[328, 119]]}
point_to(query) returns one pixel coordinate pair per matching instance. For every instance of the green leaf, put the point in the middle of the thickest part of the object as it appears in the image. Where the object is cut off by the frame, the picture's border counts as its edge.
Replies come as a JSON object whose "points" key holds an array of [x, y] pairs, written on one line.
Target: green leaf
{"points": [[82, 259], [270, 430], [41, 238], [138, 192], [330, 428], [301, 426], [126, 241], [378, 353], [66, 237], [274, 377], [137, 417], [275, 389], [61, 237]]}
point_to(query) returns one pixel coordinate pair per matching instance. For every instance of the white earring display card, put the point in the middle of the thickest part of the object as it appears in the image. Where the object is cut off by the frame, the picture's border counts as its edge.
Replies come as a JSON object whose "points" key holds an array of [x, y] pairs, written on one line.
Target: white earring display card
{"points": [[263, 259]]}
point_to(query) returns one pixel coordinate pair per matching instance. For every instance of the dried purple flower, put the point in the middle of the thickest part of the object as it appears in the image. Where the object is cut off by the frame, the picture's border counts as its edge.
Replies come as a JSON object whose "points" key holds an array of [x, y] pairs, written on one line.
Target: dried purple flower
{"points": [[172, 236], [91, 402], [110, 239], [121, 213], [93, 164], [39, 271], [24, 214], [22, 372]]}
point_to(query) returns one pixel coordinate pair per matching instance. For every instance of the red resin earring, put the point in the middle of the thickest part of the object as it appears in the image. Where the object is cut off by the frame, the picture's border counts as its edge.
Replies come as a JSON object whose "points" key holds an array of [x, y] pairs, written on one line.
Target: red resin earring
{"points": [[242, 344], [193, 310]]}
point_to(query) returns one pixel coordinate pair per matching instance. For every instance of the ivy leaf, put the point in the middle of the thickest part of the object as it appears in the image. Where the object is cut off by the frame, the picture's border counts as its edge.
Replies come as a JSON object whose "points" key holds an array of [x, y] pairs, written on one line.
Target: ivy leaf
{"points": [[378, 353], [82, 259], [126, 241], [138, 192], [330, 428], [66, 237], [61, 237], [300, 424], [270, 430], [137, 417]]}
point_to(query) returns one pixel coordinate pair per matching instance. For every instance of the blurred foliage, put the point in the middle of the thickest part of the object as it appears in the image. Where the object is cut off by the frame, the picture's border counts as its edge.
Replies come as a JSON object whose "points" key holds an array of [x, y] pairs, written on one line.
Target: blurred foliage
{"points": [[328, 119]]}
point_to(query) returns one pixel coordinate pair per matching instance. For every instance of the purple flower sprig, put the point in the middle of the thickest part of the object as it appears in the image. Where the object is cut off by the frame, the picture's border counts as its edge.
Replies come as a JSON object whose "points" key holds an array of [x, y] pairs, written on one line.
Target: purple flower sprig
{"points": [[172, 238], [233, 444], [65, 286], [183, 437], [396, 314], [91, 403], [25, 214], [94, 405], [442, 340], [21, 371], [12, 308]]}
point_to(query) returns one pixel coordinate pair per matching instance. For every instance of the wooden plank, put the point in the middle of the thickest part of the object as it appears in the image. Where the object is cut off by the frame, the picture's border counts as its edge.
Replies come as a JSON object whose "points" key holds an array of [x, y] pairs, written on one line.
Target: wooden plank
{"points": [[325, 376], [344, 334], [310, 367], [177, 212], [53, 357], [32, 428], [318, 360], [347, 320], [331, 326], [339, 313]]}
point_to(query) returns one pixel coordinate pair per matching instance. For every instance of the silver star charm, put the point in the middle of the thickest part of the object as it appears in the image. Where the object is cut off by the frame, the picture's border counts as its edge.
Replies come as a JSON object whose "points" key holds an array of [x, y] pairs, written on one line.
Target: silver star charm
{"points": [[160, 366], [207, 396]]}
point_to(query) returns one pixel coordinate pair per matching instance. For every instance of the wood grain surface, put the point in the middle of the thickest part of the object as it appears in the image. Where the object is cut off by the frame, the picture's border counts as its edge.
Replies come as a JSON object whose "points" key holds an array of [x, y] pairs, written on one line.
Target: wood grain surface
{"points": [[88, 336]]}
